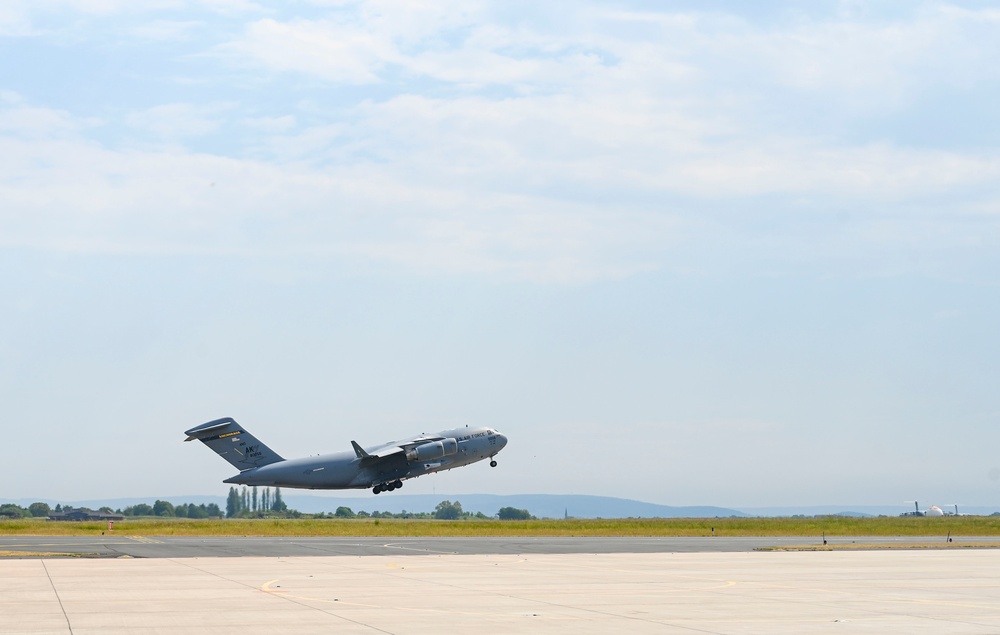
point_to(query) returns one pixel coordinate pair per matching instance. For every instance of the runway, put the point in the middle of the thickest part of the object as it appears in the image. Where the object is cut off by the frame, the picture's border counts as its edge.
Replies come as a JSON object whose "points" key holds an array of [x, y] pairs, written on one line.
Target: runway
{"points": [[120, 544], [727, 593]]}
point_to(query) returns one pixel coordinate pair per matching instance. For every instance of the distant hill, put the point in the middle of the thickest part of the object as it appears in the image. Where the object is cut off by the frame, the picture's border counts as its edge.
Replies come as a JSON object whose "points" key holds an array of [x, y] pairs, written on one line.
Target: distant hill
{"points": [[855, 510], [539, 505]]}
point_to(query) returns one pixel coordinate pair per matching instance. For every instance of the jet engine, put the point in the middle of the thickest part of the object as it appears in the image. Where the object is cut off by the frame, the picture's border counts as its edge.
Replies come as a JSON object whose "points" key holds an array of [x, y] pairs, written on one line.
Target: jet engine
{"points": [[433, 450]]}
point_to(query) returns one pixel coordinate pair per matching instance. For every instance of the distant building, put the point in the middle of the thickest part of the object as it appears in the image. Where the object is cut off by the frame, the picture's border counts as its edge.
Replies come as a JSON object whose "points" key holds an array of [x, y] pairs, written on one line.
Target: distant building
{"points": [[82, 513]]}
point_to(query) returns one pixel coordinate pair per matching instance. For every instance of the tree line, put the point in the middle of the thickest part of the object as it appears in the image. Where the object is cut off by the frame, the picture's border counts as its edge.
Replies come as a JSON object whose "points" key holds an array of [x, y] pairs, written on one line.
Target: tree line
{"points": [[445, 510], [248, 502], [166, 508], [159, 508], [36, 510], [253, 502]]}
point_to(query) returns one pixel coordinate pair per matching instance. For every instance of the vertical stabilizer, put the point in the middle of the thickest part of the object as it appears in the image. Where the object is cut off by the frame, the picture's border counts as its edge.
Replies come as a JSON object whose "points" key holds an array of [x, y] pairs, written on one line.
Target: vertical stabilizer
{"points": [[233, 443]]}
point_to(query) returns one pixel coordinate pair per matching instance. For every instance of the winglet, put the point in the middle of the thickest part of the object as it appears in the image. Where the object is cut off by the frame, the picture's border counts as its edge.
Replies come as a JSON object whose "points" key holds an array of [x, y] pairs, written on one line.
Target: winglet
{"points": [[359, 451]]}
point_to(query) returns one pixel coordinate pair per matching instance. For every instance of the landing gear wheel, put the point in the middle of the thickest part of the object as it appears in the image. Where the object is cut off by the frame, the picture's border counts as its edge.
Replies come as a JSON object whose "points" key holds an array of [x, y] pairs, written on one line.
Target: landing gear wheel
{"points": [[493, 463], [387, 487]]}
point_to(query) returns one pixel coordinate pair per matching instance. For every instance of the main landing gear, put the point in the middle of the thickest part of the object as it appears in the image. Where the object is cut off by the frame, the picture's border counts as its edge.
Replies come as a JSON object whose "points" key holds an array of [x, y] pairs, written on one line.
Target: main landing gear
{"points": [[387, 487]]}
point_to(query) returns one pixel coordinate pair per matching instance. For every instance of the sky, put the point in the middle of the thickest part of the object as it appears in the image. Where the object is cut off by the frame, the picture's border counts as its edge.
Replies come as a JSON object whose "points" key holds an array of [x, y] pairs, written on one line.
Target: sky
{"points": [[686, 252]]}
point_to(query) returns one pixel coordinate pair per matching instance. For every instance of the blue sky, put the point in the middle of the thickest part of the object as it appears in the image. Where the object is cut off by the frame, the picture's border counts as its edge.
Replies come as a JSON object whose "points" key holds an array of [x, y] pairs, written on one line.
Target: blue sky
{"points": [[685, 252]]}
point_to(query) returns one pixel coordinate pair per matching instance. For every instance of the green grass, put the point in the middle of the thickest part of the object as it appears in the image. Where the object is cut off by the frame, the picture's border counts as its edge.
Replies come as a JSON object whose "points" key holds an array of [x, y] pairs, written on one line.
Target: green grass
{"points": [[831, 526]]}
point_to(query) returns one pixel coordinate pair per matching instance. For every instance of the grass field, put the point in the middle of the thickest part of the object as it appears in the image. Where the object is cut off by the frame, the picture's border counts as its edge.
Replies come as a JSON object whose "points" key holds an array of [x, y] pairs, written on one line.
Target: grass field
{"points": [[831, 526]]}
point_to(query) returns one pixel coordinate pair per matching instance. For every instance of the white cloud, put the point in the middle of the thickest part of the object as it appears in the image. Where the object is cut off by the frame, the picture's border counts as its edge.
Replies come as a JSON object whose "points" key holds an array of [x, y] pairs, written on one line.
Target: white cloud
{"points": [[174, 121], [24, 121], [233, 6], [166, 30], [15, 21], [876, 67], [272, 124], [72, 22], [857, 64], [67, 194], [617, 142], [95, 7], [111, 7], [322, 49], [522, 149]]}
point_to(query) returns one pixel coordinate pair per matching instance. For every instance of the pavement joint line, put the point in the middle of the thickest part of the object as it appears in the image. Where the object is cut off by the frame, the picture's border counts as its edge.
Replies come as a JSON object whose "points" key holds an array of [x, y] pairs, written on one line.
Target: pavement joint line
{"points": [[285, 597], [885, 600], [62, 608], [873, 613], [266, 588], [489, 591], [390, 545]]}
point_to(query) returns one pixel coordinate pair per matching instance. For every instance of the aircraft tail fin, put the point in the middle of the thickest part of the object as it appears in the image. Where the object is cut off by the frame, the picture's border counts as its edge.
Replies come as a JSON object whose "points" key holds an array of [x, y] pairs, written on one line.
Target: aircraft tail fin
{"points": [[233, 443]]}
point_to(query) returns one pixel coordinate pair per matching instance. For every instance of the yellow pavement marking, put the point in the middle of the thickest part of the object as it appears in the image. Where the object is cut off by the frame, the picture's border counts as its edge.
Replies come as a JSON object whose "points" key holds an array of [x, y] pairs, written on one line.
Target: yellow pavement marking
{"points": [[39, 554]]}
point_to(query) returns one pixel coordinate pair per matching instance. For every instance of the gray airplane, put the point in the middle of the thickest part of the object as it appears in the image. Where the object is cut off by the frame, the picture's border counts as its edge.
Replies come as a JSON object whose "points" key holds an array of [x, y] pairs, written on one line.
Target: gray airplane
{"points": [[382, 468]]}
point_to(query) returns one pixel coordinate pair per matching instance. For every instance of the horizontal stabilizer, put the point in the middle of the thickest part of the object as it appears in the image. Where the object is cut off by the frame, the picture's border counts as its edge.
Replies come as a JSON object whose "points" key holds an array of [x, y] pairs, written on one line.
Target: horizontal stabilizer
{"points": [[207, 429]]}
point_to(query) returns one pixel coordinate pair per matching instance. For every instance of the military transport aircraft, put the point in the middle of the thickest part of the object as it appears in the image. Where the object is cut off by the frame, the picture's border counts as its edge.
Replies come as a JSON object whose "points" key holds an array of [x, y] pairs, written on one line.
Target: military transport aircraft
{"points": [[933, 510], [382, 468]]}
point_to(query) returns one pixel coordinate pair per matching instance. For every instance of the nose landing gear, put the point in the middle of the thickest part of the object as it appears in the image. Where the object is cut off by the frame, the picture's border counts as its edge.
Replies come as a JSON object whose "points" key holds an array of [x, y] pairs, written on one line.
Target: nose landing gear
{"points": [[493, 462], [387, 487]]}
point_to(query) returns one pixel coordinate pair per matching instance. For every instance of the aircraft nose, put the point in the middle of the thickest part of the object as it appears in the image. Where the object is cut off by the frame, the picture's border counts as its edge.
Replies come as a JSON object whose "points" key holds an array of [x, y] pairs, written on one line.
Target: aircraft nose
{"points": [[501, 440]]}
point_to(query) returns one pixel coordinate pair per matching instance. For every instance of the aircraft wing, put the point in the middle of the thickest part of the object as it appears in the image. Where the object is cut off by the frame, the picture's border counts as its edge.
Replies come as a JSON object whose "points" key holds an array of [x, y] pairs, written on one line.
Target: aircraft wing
{"points": [[391, 450], [412, 443], [380, 455]]}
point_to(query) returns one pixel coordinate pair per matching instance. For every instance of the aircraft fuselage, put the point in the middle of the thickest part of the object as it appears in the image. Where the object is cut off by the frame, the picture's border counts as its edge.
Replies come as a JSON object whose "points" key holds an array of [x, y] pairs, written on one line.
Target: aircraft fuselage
{"points": [[363, 468]]}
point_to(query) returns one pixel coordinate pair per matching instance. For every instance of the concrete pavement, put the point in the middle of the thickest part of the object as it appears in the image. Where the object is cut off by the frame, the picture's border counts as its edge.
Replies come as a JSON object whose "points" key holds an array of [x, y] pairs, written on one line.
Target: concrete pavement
{"points": [[955, 591], [120, 543]]}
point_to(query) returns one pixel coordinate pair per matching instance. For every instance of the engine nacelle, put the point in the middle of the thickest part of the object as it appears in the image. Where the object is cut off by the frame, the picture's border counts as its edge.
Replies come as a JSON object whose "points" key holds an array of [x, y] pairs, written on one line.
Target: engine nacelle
{"points": [[433, 450]]}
